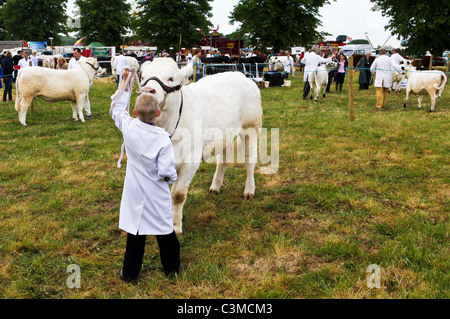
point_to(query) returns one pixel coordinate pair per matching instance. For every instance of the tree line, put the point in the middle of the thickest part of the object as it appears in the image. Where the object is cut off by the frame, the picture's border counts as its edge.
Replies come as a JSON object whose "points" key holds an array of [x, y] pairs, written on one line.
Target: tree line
{"points": [[265, 23]]}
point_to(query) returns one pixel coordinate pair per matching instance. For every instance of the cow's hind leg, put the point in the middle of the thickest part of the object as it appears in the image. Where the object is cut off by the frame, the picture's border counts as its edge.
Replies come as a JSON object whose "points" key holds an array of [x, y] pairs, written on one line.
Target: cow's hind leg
{"points": [[80, 106], [217, 182], [179, 193], [23, 109], [250, 139]]}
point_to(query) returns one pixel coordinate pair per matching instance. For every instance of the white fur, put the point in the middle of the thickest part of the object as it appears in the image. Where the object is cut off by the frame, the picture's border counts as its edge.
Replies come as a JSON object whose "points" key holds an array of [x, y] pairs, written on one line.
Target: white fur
{"points": [[319, 79], [54, 85], [423, 83], [225, 103]]}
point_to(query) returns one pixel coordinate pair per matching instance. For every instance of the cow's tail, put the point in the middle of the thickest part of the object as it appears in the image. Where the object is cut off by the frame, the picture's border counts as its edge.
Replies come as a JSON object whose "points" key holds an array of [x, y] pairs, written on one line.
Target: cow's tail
{"points": [[443, 82], [18, 95]]}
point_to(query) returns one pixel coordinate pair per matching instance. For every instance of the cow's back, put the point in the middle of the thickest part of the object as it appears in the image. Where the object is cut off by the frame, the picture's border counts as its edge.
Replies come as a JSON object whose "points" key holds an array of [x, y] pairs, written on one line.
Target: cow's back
{"points": [[227, 98], [51, 85]]}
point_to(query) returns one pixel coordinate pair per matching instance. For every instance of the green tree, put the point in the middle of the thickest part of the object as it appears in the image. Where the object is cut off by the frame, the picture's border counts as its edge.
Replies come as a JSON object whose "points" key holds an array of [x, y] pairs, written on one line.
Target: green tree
{"points": [[359, 41], [162, 22], [36, 20], [279, 23], [425, 25], [103, 21]]}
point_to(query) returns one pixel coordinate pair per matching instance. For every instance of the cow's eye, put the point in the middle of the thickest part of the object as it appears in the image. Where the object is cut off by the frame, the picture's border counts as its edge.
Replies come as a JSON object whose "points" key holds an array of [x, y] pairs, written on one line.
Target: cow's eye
{"points": [[170, 80]]}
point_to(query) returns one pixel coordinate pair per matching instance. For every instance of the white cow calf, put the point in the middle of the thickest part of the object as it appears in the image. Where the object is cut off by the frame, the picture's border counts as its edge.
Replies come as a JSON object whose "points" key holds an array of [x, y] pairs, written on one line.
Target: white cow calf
{"points": [[55, 85], [319, 79], [423, 83]]}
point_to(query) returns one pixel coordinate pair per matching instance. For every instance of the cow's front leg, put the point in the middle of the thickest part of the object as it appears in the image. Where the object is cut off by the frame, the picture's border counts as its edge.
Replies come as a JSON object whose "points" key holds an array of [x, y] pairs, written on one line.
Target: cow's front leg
{"points": [[179, 193], [407, 98]]}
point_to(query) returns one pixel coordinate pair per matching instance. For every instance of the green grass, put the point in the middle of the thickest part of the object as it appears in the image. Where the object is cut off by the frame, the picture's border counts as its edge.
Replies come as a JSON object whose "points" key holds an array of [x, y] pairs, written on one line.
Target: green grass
{"points": [[347, 195]]}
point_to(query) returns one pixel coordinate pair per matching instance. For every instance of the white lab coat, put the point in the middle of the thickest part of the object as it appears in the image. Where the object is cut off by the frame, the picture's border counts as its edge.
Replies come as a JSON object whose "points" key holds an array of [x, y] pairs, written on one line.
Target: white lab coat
{"points": [[146, 206], [120, 63], [288, 64], [382, 66], [396, 59], [73, 63], [26, 63], [311, 62]]}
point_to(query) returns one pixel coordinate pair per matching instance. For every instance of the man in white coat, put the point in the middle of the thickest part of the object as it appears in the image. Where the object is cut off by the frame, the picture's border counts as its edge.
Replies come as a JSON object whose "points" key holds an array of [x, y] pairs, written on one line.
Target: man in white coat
{"points": [[311, 62], [146, 206], [382, 66], [26, 61], [120, 62], [74, 63]]}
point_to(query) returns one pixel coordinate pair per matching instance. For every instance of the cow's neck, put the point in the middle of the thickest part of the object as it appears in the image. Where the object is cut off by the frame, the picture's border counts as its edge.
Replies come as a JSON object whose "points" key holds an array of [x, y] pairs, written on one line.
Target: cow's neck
{"points": [[90, 72], [170, 113]]}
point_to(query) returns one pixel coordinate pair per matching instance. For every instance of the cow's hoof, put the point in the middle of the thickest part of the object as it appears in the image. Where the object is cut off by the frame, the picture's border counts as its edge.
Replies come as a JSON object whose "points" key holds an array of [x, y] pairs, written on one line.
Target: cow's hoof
{"points": [[178, 230], [430, 111], [249, 196], [213, 192], [404, 105]]}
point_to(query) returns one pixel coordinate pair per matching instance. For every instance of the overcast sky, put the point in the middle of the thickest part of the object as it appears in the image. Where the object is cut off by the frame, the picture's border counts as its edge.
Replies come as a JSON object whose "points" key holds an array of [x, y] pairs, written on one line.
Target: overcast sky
{"points": [[343, 17]]}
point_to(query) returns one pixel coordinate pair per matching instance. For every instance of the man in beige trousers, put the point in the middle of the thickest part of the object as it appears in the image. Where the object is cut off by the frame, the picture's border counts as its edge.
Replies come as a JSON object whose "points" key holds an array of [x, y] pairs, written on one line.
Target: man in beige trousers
{"points": [[382, 67]]}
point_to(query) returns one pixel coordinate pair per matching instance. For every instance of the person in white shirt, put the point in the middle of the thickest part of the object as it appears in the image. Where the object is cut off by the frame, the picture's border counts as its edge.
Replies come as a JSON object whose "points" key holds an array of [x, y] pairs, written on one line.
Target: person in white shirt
{"points": [[26, 61], [73, 64], [34, 58], [120, 62], [382, 67], [288, 65], [311, 61]]}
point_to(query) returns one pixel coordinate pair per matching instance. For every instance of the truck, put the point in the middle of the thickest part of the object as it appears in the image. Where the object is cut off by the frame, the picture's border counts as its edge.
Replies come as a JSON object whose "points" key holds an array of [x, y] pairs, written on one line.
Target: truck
{"points": [[360, 49]]}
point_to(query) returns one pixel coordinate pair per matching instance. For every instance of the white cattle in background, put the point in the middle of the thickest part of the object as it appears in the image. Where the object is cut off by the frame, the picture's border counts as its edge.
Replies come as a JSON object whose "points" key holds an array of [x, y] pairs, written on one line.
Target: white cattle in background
{"points": [[319, 79], [132, 61], [423, 83], [55, 85], [397, 79], [205, 119], [277, 63]]}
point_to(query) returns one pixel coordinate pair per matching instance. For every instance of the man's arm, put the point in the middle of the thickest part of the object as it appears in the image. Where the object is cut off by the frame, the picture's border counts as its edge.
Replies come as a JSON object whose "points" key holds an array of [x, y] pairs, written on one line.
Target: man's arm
{"points": [[166, 164], [119, 111]]}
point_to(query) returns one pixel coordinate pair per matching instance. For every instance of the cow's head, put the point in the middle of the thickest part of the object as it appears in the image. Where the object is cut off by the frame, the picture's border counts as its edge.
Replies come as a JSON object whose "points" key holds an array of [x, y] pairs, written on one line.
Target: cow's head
{"points": [[96, 66], [162, 76], [407, 66], [332, 65]]}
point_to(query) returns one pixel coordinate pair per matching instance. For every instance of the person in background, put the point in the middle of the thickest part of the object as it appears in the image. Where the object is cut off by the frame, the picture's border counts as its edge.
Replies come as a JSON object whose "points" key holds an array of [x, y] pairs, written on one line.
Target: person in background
{"points": [[382, 68], [120, 62], [26, 61], [364, 72], [34, 58], [311, 61], [197, 65], [74, 63], [8, 69], [340, 75]]}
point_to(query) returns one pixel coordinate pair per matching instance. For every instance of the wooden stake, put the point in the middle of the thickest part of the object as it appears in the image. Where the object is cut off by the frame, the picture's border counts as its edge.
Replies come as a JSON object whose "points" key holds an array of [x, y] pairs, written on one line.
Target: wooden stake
{"points": [[351, 69]]}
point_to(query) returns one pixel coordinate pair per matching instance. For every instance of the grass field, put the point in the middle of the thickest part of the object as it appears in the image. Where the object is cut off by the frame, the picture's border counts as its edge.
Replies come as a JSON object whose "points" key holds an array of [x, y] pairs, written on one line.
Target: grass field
{"points": [[347, 195]]}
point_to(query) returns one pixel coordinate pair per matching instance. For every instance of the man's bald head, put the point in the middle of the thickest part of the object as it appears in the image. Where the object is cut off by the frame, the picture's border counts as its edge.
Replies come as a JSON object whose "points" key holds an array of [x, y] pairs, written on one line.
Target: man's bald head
{"points": [[146, 107]]}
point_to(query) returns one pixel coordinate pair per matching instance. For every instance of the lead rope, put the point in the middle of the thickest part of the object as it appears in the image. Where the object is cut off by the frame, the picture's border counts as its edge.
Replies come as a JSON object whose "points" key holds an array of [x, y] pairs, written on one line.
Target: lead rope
{"points": [[128, 87]]}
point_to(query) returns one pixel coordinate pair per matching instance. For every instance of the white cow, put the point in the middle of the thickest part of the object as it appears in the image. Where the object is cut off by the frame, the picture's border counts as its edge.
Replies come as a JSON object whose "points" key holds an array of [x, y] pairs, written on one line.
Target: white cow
{"points": [[277, 63], [397, 79], [205, 118], [48, 61], [55, 85], [423, 83], [319, 79], [133, 62]]}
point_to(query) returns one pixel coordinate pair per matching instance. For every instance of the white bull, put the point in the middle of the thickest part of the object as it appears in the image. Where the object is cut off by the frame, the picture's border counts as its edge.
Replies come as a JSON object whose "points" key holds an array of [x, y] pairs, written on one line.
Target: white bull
{"points": [[212, 114], [423, 83], [55, 85], [319, 79]]}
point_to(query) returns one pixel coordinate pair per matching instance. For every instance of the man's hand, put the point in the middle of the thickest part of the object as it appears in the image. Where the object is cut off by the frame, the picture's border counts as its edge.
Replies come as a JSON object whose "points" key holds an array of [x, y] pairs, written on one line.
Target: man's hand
{"points": [[125, 74]]}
